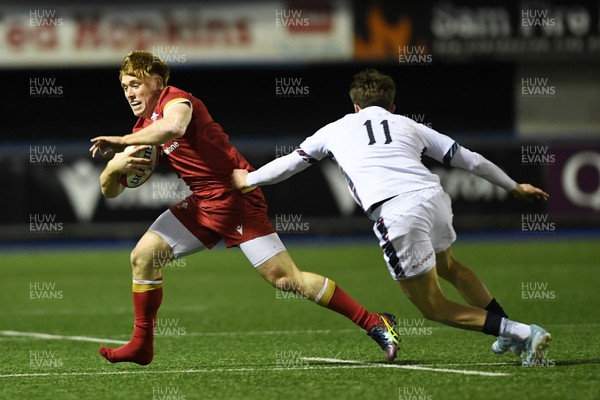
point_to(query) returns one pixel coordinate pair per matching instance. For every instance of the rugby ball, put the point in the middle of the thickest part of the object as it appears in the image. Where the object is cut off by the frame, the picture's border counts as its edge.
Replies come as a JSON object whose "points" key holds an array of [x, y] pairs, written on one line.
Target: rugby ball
{"points": [[136, 180]]}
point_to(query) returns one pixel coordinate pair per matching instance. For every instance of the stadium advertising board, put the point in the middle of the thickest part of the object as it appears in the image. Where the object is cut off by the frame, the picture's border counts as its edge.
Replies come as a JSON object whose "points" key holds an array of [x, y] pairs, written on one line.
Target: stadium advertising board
{"points": [[180, 34], [574, 180], [461, 30], [58, 184]]}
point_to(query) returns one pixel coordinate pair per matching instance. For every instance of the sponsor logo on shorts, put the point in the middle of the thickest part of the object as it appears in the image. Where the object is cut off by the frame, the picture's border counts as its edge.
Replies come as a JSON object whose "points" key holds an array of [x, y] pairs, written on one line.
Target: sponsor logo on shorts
{"points": [[423, 261], [240, 229]]}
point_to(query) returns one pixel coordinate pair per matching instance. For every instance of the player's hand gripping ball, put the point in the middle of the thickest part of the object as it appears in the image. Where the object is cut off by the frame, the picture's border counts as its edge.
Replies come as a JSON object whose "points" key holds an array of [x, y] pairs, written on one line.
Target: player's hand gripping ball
{"points": [[133, 180]]}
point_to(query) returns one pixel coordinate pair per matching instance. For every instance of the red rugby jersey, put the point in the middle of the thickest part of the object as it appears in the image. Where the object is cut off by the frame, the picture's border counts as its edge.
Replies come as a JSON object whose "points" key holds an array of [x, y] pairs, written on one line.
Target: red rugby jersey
{"points": [[203, 156]]}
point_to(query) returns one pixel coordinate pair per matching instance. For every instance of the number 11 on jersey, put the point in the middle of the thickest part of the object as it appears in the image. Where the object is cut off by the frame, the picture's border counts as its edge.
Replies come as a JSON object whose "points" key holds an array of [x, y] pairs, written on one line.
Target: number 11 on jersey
{"points": [[386, 132]]}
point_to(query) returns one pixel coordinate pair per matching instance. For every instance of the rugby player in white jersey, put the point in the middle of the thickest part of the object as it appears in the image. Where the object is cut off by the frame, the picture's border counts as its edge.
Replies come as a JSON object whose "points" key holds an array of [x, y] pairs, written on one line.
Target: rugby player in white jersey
{"points": [[380, 154]]}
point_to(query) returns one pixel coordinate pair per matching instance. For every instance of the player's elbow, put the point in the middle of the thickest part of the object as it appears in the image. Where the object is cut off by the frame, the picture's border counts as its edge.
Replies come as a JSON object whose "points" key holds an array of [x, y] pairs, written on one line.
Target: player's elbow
{"points": [[467, 160], [472, 168]]}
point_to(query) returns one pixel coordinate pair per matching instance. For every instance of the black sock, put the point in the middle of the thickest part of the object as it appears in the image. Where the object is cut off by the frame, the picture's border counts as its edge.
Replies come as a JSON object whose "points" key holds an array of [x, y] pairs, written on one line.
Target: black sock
{"points": [[491, 326], [495, 308]]}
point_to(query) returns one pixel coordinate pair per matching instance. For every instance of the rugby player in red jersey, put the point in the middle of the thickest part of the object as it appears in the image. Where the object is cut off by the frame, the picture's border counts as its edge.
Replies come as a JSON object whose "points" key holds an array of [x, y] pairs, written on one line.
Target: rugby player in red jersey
{"points": [[198, 150]]}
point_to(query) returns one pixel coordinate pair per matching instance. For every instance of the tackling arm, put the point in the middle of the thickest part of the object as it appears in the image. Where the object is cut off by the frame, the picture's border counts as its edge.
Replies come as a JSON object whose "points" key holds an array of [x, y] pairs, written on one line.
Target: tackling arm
{"points": [[274, 172]]}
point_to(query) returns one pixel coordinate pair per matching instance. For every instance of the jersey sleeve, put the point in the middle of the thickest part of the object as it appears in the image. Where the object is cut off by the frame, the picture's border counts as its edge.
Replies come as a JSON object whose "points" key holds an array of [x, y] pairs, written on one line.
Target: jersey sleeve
{"points": [[314, 148], [482, 167], [311, 150], [175, 97], [437, 145], [278, 170]]}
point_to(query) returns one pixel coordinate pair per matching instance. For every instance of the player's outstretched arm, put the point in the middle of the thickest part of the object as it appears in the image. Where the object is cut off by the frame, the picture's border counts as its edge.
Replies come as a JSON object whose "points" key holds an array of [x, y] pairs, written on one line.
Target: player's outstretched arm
{"points": [[269, 174], [482, 167], [121, 163]]}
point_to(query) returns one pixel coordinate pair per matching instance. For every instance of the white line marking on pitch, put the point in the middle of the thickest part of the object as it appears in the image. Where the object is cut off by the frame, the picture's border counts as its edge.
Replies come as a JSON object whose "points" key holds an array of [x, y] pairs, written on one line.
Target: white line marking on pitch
{"points": [[60, 337], [275, 333], [340, 365], [345, 363], [485, 364], [188, 371], [413, 367]]}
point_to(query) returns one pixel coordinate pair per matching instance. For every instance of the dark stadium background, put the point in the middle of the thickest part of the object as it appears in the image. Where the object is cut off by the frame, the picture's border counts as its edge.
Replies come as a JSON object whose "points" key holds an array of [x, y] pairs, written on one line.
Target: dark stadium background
{"points": [[473, 97]]}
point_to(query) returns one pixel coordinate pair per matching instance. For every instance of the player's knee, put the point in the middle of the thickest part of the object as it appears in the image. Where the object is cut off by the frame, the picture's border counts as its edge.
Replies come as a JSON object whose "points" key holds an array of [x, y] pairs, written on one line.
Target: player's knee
{"points": [[281, 274], [140, 259], [281, 280], [287, 284]]}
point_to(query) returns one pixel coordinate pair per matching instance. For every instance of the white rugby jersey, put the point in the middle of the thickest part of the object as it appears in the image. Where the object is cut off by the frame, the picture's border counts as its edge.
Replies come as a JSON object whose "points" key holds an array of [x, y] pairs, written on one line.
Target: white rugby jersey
{"points": [[380, 153]]}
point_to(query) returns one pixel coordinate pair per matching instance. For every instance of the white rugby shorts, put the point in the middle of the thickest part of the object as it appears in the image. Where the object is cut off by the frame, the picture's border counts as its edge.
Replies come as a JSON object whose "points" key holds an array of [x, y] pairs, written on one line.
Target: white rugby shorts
{"points": [[411, 236]]}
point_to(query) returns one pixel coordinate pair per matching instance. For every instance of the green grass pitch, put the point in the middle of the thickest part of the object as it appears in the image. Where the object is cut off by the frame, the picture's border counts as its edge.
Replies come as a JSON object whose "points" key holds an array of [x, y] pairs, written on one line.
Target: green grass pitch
{"points": [[225, 334]]}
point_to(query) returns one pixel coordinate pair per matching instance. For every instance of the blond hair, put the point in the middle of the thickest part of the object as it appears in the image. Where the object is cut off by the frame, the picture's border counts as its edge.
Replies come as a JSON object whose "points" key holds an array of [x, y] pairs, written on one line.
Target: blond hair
{"points": [[143, 64]]}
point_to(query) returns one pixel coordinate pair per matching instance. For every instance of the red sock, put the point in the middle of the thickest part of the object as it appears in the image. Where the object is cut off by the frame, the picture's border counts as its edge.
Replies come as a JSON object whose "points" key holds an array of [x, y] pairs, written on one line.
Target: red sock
{"points": [[336, 299], [140, 348]]}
